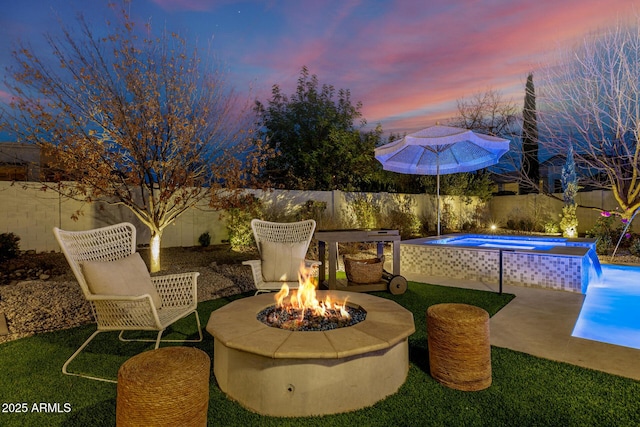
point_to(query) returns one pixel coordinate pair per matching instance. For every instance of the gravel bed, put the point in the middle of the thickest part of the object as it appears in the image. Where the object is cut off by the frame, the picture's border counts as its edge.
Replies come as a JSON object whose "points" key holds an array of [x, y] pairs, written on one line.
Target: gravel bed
{"points": [[36, 306]]}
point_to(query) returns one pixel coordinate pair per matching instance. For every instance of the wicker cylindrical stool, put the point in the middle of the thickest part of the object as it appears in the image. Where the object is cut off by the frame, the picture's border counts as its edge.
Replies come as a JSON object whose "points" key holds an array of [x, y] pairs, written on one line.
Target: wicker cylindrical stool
{"points": [[459, 348], [164, 387]]}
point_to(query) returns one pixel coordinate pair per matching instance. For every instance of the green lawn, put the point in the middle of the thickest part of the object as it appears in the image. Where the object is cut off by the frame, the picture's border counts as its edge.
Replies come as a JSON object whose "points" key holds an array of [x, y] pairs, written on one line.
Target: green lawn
{"points": [[526, 391]]}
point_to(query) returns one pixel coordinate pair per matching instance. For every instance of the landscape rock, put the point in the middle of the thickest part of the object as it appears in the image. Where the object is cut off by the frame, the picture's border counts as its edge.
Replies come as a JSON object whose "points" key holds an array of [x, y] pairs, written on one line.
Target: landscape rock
{"points": [[46, 304]]}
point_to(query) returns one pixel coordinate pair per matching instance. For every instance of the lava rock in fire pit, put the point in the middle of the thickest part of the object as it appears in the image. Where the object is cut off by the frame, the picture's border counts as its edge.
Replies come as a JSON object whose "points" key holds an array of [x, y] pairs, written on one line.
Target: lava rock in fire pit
{"points": [[294, 320]]}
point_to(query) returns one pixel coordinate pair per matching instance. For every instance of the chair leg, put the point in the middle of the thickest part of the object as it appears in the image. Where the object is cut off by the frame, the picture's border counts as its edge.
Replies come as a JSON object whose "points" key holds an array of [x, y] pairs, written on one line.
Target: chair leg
{"points": [[158, 340], [73, 356]]}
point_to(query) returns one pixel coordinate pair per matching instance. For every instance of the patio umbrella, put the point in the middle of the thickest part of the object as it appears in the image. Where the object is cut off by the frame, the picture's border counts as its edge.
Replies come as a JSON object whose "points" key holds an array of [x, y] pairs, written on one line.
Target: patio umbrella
{"points": [[440, 150]]}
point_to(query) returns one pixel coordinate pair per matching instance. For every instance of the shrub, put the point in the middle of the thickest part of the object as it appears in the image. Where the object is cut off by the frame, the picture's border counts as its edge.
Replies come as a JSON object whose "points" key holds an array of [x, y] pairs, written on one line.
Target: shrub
{"points": [[365, 211], [604, 245], [521, 224], [312, 210], [204, 239], [468, 226], [634, 248], [407, 223], [449, 220], [239, 221], [569, 221], [605, 233], [400, 216], [551, 227], [9, 246], [425, 219]]}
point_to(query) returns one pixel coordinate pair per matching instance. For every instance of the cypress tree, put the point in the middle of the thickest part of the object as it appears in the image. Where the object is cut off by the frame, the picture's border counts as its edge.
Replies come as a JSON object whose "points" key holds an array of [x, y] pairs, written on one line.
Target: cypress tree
{"points": [[530, 163]]}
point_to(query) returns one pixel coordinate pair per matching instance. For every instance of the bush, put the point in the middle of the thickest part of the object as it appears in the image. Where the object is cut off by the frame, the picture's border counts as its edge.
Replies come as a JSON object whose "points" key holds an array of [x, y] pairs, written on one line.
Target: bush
{"points": [[606, 233], [239, 221], [634, 248], [366, 212], [9, 246], [521, 224], [449, 220], [312, 210], [569, 221], [551, 227], [400, 216], [204, 239], [407, 223]]}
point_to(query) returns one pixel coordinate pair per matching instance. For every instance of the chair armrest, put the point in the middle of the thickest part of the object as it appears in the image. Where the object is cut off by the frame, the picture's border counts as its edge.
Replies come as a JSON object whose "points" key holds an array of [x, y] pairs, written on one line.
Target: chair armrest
{"points": [[105, 297], [256, 270], [177, 290], [115, 312], [253, 262]]}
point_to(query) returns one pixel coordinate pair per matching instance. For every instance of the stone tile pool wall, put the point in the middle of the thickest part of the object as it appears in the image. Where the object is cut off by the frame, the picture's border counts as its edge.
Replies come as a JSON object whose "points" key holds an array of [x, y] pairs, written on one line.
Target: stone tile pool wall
{"points": [[563, 268]]}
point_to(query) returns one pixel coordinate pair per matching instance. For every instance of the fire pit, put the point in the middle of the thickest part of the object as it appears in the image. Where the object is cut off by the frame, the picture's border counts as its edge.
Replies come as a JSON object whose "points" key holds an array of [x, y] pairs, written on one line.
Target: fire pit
{"points": [[301, 310], [283, 372], [294, 320]]}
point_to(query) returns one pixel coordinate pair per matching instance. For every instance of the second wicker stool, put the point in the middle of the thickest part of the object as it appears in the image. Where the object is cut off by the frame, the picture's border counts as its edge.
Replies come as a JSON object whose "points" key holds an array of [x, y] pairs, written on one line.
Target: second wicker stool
{"points": [[459, 348], [164, 387]]}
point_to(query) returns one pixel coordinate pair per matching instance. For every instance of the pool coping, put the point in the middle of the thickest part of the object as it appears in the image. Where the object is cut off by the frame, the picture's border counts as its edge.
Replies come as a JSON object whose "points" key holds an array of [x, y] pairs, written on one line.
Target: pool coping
{"points": [[578, 250]]}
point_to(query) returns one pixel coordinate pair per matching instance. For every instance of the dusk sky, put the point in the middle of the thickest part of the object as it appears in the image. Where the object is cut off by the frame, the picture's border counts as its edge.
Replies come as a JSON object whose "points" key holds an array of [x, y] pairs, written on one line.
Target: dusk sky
{"points": [[407, 61]]}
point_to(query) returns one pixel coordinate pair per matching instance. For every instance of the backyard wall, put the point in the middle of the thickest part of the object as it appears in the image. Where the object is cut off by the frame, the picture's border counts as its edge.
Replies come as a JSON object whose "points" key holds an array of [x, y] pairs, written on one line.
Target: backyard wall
{"points": [[31, 213], [544, 208]]}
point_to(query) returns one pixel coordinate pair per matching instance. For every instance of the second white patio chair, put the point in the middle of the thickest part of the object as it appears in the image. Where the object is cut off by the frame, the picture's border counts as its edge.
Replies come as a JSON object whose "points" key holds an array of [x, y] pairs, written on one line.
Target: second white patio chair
{"points": [[123, 296], [282, 247]]}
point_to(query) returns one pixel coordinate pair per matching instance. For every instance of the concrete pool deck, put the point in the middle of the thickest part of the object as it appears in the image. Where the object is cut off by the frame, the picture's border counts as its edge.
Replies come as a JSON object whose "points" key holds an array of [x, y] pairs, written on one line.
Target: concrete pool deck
{"points": [[540, 322]]}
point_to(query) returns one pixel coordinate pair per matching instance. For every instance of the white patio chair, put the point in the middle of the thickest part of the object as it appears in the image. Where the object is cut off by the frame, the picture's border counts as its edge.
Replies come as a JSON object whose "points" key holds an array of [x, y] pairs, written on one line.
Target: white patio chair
{"points": [[116, 282], [282, 247]]}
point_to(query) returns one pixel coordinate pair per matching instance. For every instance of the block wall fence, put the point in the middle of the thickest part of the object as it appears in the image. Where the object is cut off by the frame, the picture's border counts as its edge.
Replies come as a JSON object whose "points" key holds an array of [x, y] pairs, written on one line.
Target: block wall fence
{"points": [[31, 213]]}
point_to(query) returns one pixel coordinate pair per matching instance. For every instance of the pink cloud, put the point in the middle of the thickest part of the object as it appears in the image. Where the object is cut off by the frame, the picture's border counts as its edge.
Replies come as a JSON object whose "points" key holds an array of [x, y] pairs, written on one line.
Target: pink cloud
{"points": [[5, 97], [413, 60], [495, 55]]}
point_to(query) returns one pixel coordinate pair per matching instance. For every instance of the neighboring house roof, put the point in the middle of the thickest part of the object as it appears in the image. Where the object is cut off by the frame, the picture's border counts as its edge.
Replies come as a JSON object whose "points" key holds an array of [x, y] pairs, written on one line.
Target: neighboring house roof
{"points": [[19, 162]]}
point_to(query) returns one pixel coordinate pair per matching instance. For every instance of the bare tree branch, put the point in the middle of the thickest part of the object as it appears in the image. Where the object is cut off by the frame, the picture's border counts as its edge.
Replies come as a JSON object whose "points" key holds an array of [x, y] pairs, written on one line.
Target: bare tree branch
{"points": [[591, 99], [133, 119]]}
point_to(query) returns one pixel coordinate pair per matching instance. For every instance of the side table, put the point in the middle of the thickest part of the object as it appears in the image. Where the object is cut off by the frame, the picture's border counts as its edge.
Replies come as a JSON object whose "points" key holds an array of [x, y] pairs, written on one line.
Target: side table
{"points": [[380, 236]]}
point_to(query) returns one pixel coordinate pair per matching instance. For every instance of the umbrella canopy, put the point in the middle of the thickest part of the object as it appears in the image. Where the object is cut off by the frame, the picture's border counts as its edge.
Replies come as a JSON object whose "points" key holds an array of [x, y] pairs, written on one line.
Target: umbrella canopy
{"points": [[440, 150]]}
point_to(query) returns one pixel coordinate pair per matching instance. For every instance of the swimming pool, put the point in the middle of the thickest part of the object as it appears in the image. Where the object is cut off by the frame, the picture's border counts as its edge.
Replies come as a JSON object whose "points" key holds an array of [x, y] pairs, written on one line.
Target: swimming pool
{"points": [[549, 262]]}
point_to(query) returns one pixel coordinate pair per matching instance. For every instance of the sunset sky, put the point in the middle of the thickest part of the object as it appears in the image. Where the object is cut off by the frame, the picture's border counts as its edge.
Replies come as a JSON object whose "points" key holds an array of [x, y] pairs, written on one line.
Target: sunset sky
{"points": [[407, 61]]}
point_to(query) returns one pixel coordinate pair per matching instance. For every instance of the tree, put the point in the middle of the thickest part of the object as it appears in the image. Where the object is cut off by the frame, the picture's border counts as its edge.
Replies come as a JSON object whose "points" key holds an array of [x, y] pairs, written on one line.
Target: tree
{"points": [[590, 97], [317, 135], [530, 163], [568, 218], [136, 120], [488, 113], [465, 184]]}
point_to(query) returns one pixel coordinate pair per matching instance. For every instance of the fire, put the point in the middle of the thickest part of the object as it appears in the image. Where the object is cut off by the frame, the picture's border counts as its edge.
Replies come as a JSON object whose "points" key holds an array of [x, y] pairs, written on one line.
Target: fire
{"points": [[304, 298]]}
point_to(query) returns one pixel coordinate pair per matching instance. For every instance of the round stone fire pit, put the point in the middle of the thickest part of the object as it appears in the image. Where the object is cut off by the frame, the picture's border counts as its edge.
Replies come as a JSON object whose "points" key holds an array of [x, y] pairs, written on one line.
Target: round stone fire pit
{"points": [[302, 373]]}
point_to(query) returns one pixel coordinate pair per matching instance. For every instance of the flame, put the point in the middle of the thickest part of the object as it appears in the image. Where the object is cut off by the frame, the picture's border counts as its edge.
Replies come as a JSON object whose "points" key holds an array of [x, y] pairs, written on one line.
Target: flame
{"points": [[304, 298]]}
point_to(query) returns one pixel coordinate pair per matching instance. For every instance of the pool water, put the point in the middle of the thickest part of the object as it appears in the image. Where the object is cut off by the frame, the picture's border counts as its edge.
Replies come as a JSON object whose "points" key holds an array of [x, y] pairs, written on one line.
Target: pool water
{"points": [[610, 311], [506, 242]]}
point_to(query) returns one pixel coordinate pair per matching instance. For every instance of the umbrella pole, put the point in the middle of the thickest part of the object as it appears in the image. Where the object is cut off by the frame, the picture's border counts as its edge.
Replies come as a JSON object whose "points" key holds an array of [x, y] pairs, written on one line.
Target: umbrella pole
{"points": [[438, 190]]}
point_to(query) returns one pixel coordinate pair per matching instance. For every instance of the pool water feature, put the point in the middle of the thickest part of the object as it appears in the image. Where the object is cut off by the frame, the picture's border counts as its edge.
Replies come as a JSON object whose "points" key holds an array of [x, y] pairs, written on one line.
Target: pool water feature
{"points": [[610, 309], [541, 261]]}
